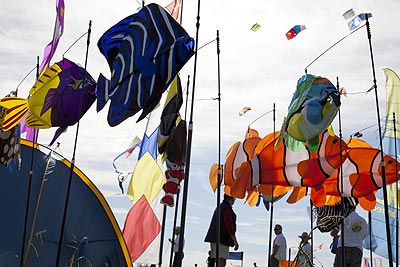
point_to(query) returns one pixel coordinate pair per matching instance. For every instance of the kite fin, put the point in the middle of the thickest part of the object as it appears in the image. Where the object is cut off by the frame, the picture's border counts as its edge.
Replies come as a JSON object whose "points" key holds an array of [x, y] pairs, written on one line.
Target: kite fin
{"points": [[33, 122], [298, 193], [243, 180], [367, 202], [103, 85], [57, 134], [16, 107], [252, 197], [318, 196], [213, 176]]}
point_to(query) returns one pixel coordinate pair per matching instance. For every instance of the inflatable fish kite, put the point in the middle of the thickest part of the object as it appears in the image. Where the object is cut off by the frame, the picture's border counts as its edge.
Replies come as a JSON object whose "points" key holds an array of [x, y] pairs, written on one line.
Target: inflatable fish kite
{"points": [[238, 153], [314, 105], [54, 100], [9, 142], [284, 167], [145, 51], [362, 176]]}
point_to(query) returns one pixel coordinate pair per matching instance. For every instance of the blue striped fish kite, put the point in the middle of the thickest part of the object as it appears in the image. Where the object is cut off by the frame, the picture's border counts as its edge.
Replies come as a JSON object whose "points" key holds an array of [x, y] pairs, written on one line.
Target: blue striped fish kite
{"points": [[145, 51]]}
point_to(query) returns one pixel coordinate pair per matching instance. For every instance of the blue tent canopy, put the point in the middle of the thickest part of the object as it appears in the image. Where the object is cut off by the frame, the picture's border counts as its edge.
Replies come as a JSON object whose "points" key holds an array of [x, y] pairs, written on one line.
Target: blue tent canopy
{"points": [[91, 237]]}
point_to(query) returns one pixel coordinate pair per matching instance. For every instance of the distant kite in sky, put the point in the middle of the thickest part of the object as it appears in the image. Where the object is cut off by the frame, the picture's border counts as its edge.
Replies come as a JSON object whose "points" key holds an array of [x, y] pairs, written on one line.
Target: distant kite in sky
{"points": [[144, 51], [349, 14], [293, 32], [255, 27], [244, 110], [357, 20], [314, 105], [54, 100]]}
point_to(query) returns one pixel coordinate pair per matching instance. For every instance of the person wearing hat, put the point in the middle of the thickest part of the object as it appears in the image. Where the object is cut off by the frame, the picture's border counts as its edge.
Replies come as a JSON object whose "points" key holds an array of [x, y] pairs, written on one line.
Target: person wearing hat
{"points": [[304, 251]]}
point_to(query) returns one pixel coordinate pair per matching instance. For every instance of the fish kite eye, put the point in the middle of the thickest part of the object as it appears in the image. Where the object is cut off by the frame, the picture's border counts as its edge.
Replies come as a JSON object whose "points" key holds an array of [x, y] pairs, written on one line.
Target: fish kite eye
{"points": [[390, 161], [335, 141]]}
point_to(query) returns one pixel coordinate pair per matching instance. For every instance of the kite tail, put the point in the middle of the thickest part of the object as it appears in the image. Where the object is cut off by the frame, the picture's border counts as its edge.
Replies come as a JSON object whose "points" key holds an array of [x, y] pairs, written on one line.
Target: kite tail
{"points": [[103, 85], [16, 109]]}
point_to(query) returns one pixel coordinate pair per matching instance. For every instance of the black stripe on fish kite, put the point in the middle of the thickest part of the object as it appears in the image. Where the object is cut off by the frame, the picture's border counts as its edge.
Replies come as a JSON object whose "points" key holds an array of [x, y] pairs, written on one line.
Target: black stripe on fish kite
{"points": [[145, 51]]}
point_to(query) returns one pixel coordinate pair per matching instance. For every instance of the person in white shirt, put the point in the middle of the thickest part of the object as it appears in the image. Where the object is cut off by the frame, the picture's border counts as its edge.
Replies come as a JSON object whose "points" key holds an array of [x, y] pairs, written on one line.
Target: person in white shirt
{"points": [[305, 251], [354, 232], [279, 247], [175, 244]]}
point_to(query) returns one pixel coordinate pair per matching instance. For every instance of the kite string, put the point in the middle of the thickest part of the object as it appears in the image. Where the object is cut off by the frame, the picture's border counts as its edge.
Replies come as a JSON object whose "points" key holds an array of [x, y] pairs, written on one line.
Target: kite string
{"points": [[259, 117], [74, 43], [26, 76], [332, 47]]}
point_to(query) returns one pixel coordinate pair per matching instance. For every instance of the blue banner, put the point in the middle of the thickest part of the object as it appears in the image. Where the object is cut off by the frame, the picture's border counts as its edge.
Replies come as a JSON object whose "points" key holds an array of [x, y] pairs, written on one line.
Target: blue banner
{"points": [[236, 256]]}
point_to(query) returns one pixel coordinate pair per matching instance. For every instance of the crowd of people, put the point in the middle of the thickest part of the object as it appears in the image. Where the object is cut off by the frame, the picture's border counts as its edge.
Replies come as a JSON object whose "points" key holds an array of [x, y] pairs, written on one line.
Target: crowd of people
{"points": [[350, 235]]}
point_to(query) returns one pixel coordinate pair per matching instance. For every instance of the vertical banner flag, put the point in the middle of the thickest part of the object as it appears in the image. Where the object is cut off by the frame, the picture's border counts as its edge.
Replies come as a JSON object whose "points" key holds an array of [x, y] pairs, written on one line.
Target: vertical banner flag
{"points": [[143, 223], [378, 237], [48, 54]]}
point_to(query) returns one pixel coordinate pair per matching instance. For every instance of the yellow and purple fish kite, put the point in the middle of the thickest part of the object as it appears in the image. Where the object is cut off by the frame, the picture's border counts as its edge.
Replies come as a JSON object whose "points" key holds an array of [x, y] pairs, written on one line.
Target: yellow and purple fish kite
{"points": [[54, 99]]}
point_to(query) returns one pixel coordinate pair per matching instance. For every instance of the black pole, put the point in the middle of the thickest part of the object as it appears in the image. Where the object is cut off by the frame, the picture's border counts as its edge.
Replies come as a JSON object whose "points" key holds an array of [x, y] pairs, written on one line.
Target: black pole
{"points": [[177, 195], [60, 241], [341, 182], [160, 252], [397, 192], [370, 236], [385, 200], [28, 194], [219, 160], [189, 145], [312, 236], [173, 230], [271, 217]]}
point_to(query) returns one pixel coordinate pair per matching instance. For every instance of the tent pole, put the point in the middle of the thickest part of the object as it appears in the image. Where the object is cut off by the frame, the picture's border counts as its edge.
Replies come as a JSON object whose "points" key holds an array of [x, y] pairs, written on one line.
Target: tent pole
{"points": [[385, 194]]}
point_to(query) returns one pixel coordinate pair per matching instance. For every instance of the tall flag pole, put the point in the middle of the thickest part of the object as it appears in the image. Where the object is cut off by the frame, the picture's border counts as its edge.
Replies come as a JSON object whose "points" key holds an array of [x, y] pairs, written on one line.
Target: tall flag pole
{"points": [[271, 218], [385, 194], [60, 241], [376, 241], [189, 145], [28, 194], [219, 159], [397, 193]]}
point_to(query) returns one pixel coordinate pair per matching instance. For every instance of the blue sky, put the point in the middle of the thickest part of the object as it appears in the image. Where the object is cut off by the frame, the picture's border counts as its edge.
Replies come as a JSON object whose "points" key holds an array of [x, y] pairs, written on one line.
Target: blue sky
{"points": [[258, 69]]}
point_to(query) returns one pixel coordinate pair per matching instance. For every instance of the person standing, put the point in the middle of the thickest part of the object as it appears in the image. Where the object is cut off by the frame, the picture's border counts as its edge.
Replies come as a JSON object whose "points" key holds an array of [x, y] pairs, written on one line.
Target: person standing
{"points": [[175, 244], [227, 231], [305, 251], [279, 247], [354, 232]]}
